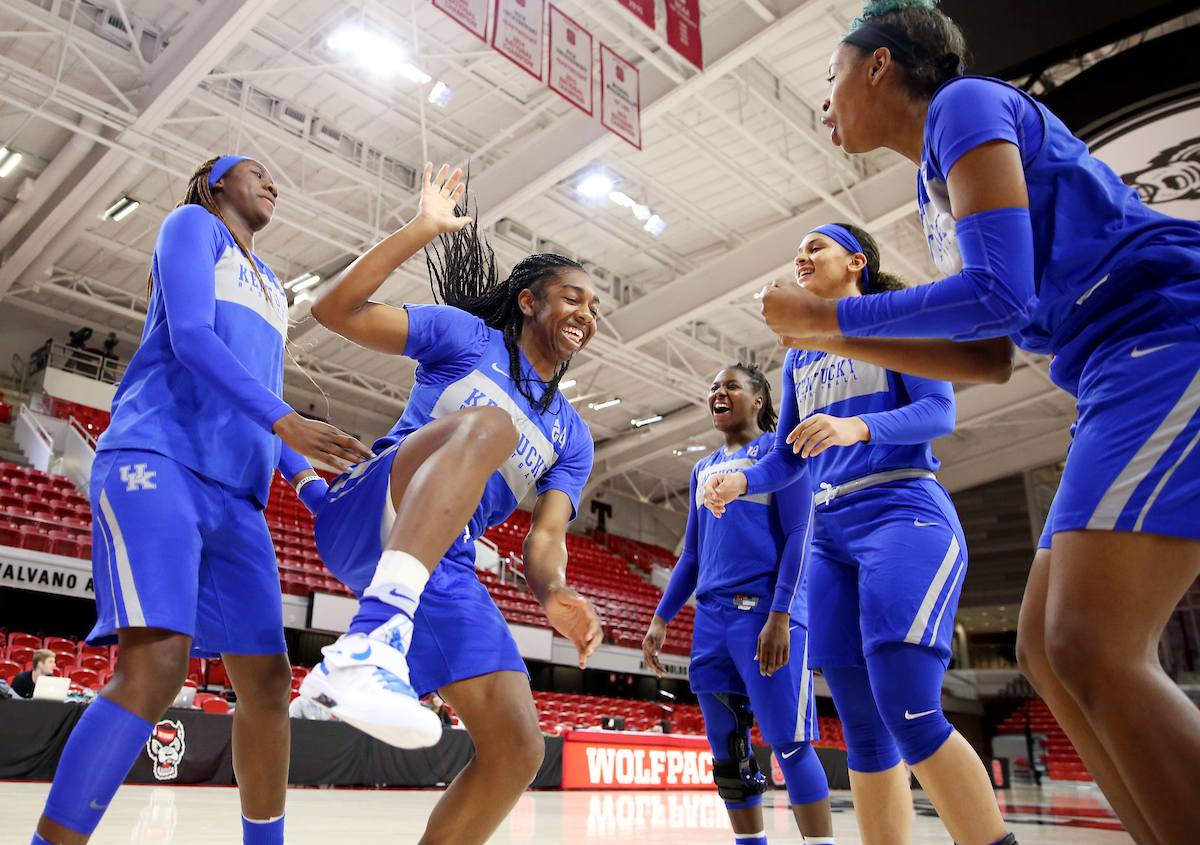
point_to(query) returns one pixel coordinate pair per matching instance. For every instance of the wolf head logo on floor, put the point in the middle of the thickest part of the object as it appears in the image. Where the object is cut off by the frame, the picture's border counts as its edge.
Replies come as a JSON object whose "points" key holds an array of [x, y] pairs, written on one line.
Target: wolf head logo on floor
{"points": [[166, 748], [1173, 174]]}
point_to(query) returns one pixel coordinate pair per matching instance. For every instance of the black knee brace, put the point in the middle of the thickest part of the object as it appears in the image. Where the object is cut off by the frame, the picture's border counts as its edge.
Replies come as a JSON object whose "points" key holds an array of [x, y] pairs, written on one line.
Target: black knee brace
{"points": [[738, 779]]}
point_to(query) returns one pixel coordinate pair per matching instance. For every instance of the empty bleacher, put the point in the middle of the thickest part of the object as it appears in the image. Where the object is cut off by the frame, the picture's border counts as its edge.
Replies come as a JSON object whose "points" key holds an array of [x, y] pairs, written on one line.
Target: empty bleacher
{"points": [[1059, 754]]}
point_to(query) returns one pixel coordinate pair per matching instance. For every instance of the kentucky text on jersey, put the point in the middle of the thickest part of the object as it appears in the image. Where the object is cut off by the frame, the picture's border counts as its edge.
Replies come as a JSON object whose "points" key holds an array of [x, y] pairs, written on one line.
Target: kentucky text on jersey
{"points": [[464, 364]]}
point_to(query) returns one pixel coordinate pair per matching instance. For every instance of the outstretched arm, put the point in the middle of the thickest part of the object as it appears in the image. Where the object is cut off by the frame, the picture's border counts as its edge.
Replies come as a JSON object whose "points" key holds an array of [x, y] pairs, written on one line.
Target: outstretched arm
{"points": [[545, 551], [345, 305], [965, 362]]}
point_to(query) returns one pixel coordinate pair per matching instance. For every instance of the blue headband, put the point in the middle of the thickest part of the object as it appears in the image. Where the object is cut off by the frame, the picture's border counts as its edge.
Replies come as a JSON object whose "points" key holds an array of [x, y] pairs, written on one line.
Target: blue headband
{"points": [[221, 167], [846, 238]]}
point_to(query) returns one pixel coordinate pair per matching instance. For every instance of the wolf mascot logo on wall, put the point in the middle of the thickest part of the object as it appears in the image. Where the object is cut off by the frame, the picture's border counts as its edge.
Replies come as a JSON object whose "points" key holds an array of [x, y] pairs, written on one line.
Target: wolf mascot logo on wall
{"points": [[166, 748]]}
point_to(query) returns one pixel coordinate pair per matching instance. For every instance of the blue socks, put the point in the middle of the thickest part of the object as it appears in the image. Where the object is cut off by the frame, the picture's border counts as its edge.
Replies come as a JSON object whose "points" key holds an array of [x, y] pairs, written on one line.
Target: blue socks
{"points": [[372, 613], [102, 749], [262, 833], [759, 838], [37, 840]]}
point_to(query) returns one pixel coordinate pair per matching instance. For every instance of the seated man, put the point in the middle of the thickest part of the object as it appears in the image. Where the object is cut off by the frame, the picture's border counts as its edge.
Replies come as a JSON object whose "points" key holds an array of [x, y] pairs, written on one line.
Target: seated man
{"points": [[43, 664]]}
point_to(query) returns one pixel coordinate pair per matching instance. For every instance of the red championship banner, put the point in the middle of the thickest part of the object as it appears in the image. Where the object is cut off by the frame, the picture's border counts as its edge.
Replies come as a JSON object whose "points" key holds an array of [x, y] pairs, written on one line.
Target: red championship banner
{"points": [[683, 30], [517, 33], [643, 9], [617, 760], [620, 97], [472, 14], [570, 60]]}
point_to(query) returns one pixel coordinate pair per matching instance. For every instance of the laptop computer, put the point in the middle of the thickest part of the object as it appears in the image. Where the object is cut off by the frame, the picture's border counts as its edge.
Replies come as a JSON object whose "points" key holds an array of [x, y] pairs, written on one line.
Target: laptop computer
{"points": [[185, 698], [52, 689]]}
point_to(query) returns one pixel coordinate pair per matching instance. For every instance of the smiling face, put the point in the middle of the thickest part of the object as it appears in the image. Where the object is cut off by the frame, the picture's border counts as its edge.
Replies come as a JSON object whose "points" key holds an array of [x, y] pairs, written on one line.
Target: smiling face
{"points": [[828, 269], [853, 92], [564, 316], [733, 402], [247, 192]]}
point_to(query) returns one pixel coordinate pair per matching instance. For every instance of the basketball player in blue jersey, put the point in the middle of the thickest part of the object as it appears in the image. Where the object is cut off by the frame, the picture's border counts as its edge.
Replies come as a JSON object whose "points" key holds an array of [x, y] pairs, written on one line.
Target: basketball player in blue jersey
{"points": [[1044, 244], [749, 641], [888, 559], [484, 425], [181, 555]]}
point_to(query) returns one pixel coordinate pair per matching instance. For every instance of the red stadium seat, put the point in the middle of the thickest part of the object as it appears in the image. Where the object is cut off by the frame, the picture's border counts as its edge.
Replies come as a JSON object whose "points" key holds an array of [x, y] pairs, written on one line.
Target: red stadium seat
{"points": [[34, 539], [215, 705], [97, 663], [9, 670], [29, 640], [10, 535], [83, 677], [19, 654], [84, 648], [63, 543]]}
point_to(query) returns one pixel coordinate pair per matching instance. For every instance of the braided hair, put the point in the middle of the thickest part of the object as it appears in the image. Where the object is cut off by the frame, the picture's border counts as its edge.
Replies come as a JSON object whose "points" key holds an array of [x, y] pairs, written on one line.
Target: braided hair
{"points": [[462, 273], [767, 418], [880, 280], [199, 193]]}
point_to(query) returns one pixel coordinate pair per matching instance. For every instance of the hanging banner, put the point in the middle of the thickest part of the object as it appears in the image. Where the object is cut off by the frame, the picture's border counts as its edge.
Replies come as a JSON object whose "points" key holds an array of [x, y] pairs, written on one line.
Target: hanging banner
{"points": [[644, 9], [570, 60], [620, 97], [517, 33], [683, 30], [472, 14]]}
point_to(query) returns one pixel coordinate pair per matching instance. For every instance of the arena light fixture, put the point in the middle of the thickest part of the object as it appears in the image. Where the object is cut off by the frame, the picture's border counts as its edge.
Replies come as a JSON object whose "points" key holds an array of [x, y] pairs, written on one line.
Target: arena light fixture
{"points": [[655, 225], [622, 200], [411, 71], [563, 385], [373, 50], [121, 209], [695, 447], [646, 421], [302, 282], [595, 186], [600, 406], [9, 159], [441, 94]]}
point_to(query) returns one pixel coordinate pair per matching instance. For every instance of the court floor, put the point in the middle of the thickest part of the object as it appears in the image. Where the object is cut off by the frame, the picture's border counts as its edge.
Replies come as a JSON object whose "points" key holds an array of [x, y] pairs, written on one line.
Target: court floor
{"points": [[209, 816]]}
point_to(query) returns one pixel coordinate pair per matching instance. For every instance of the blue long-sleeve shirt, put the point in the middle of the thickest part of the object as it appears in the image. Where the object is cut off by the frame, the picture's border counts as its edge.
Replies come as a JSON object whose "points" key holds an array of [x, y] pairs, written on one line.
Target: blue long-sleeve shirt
{"points": [[204, 386], [1043, 275], [902, 413], [758, 548]]}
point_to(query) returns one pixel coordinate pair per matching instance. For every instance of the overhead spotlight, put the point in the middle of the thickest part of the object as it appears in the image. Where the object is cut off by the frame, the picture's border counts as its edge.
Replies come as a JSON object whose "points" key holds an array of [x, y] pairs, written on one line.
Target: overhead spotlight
{"points": [[414, 73], [375, 51], [622, 200], [600, 406], [595, 186], [641, 212], [302, 282], [120, 209], [655, 225], [563, 385], [646, 421], [441, 94], [9, 159], [695, 448]]}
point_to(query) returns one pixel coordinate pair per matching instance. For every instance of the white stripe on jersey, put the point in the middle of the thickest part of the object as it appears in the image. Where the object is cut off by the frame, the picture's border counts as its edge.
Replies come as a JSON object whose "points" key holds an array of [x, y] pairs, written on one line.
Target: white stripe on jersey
{"points": [[831, 379], [723, 468], [534, 454], [237, 284]]}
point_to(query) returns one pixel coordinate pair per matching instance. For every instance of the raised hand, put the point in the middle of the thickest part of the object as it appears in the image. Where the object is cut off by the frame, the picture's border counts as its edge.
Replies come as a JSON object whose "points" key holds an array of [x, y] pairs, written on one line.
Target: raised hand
{"points": [[792, 311], [820, 431], [439, 197], [575, 618], [721, 489], [652, 645]]}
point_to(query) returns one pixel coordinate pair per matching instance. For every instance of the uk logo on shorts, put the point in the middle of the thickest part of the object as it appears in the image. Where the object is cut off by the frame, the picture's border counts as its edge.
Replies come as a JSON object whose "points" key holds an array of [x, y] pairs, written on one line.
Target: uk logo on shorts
{"points": [[166, 748], [137, 477]]}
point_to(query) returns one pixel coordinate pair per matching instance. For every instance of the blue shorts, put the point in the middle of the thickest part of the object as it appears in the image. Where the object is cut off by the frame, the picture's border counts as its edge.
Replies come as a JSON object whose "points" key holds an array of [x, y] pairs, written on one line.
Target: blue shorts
{"points": [[887, 566], [1134, 462], [458, 631], [172, 549], [724, 642]]}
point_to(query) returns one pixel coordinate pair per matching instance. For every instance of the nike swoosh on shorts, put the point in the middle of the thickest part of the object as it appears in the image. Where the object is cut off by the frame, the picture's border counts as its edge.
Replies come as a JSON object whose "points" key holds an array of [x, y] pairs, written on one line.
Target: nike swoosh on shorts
{"points": [[96, 806], [920, 524], [787, 754], [1138, 353], [911, 716]]}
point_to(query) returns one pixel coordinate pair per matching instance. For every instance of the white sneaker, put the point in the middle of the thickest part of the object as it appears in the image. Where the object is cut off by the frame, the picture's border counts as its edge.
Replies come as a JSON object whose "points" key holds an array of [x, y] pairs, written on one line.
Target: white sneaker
{"points": [[364, 682]]}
